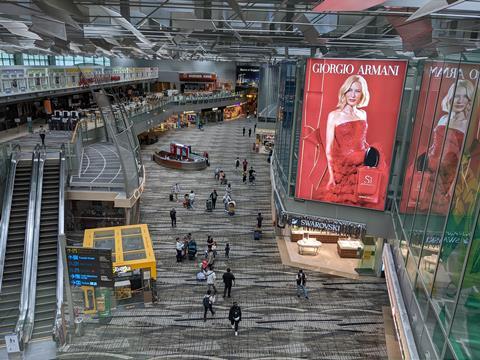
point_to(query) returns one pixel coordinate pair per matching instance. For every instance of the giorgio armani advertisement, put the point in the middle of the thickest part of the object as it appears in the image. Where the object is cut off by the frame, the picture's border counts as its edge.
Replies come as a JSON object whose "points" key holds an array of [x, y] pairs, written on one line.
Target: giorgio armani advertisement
{"points": [[350, 115], [443, 114]]}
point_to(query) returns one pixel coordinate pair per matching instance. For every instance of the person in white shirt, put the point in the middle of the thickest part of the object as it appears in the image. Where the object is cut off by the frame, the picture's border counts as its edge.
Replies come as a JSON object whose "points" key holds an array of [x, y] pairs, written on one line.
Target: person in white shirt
{"points": [[179, 247], [211, 277], [176, 190], [191, 198]]}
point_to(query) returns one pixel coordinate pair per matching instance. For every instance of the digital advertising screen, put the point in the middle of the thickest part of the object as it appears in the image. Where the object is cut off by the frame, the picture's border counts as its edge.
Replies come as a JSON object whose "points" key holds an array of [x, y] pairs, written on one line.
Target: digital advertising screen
{"points": [[349, 120], [443, 114]]}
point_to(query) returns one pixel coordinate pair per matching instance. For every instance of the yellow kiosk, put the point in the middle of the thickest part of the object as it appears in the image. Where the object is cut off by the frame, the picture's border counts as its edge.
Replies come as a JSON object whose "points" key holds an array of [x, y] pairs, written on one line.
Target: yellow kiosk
{"points": [[133, 260]]}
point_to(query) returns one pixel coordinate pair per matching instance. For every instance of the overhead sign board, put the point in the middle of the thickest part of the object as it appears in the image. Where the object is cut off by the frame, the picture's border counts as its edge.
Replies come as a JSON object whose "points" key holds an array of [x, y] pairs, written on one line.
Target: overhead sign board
{"points": [[89, 267]]}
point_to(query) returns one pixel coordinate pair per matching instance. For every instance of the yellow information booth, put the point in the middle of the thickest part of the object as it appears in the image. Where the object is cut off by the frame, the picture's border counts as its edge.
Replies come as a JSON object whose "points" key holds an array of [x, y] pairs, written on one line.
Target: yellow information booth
{"points": [[133, 260]]}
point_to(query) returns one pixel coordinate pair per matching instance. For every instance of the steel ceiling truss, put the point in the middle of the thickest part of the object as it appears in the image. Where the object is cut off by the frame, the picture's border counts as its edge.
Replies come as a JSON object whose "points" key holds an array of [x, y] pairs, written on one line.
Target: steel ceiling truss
{"points": [[258, 30]]}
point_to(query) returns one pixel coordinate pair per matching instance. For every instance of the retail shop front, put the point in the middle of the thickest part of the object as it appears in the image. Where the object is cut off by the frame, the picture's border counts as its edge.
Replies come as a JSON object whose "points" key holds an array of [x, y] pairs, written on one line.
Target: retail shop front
{"points": [[332, 244]]}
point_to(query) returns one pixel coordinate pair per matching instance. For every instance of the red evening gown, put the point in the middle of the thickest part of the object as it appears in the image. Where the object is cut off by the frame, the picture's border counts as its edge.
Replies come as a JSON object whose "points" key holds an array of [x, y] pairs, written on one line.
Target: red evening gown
{"points": [[348, 155], [446, 162]]}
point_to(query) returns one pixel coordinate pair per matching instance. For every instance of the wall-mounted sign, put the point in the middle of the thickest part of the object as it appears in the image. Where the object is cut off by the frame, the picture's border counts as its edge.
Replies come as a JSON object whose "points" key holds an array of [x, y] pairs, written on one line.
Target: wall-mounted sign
{"points": [[89, 267], [198, 77], [248, 75], [339, 227]]}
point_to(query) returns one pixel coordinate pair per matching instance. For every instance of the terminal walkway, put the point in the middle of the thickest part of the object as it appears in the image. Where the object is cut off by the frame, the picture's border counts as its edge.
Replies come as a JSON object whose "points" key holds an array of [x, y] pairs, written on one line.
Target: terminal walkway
{"points": [[341, 320]]}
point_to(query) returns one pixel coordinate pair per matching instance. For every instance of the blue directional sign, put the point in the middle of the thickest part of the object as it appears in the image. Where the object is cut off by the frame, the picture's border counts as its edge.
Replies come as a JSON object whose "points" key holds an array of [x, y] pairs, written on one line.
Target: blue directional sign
{"points": [[89, 267]]}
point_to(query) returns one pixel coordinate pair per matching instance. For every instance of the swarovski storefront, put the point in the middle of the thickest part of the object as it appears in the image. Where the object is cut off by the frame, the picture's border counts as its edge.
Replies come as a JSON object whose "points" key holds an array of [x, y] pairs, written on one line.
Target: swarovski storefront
{"points": [[365, 142]]}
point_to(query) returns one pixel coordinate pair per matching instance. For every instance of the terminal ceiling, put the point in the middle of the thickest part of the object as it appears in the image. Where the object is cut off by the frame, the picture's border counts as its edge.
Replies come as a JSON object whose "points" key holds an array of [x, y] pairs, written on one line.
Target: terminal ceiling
{"points": [[260, 31]]}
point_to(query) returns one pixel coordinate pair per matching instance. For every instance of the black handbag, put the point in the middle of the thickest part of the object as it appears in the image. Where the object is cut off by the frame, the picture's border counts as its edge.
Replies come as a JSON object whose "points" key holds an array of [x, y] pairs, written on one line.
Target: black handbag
{"points": [[372, 157]]}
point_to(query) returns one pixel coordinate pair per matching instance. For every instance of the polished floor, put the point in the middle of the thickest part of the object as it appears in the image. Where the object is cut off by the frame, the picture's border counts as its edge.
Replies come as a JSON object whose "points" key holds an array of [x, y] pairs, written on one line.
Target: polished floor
{"points": [[342, 319]]}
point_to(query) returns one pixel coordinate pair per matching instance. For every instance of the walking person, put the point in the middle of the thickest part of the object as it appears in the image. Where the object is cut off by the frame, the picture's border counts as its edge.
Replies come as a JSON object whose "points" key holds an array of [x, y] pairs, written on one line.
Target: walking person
{"points": [[179, 248], [42, 134], [249, 132], [237, 164], [228, 189], [245, 164], [173, 217], [211, 277], [302, 284], [235, 316], [244, 131], [259, 220], [244, 178], [254, 128], [208, 301], [214, 197], [228, 281], [176, 190], [227, 250], [191, 198]]}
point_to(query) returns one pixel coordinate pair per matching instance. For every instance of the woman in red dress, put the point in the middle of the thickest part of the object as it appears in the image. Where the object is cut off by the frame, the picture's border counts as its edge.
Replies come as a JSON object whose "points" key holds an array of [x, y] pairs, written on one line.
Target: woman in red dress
{"points": [[445, 157], [346, 144]]}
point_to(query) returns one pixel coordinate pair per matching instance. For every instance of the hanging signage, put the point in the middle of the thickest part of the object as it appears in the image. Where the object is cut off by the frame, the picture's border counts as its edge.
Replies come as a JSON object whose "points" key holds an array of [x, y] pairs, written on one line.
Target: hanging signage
{"points": [[349, 119], [339, 227], [89, 267]]}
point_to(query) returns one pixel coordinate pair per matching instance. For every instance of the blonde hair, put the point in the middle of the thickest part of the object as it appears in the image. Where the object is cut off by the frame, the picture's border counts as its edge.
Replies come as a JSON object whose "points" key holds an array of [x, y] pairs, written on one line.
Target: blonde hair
{"points": [[448, 99], [346, 86]]}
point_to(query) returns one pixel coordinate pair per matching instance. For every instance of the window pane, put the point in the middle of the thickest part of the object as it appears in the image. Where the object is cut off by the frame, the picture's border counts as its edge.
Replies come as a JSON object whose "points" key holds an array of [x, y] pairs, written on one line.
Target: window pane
{"points": [[465, 332], [461, 219]]}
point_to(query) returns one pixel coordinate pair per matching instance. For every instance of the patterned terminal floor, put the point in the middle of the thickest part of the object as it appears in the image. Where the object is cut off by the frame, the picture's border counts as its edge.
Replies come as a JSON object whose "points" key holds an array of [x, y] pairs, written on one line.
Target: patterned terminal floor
{"points": [[341, 320]]}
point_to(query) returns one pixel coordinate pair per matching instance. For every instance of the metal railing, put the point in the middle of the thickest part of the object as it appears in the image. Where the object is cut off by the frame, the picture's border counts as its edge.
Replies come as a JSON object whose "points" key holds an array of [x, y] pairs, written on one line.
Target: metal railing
{"points": [[58, 329], [28, 247], [30, 318], [6, 209]]}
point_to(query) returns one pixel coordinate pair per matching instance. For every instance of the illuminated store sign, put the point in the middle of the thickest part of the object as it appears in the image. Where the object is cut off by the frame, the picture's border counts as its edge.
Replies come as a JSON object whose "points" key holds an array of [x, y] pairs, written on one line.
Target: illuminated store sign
{"points": [[350, 114], [339, 227]]}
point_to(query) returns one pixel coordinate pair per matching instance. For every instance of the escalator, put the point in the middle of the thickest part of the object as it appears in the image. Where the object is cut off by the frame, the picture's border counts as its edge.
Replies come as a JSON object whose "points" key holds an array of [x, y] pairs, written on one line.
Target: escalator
{"points": [[45, 297], [13, 266]]}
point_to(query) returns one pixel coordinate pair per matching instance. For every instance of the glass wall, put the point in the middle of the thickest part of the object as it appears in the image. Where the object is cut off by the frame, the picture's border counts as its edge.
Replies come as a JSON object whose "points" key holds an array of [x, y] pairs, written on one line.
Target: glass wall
{"points": [[438, 211], [35, 60], [268, 93], [6, 59], [285, 120], [81, 60]]}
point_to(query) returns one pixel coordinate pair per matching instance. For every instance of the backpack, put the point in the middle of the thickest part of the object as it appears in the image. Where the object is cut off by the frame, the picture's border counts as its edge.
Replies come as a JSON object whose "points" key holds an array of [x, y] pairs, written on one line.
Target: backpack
{"points": [[236, 313], [206, 301]]}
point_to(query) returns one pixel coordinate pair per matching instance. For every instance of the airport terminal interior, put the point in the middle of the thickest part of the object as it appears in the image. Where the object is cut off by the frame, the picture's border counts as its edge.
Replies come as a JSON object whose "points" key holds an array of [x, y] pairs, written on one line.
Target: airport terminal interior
{"points": [[262, 179]]}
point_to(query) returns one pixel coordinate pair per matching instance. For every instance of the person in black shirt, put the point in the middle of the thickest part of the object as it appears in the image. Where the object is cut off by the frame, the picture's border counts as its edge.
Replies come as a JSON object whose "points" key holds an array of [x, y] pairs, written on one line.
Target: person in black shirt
{"points": [[228, 280], [235, 316], [249, 132], [173, 217], [259, 220], [301, 279], [243, 131], [214, 196]]}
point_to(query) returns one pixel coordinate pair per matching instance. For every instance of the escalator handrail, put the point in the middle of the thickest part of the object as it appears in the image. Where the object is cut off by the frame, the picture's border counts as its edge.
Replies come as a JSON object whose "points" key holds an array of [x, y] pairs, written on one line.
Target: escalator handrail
{"points": [[58, 323], [6, 209], [28, 247], [32, 291]]}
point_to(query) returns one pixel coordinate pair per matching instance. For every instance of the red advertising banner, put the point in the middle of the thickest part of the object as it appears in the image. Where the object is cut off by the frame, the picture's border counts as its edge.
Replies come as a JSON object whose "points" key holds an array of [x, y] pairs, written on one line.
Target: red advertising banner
{"points": [[350, 115], [443, 114]]}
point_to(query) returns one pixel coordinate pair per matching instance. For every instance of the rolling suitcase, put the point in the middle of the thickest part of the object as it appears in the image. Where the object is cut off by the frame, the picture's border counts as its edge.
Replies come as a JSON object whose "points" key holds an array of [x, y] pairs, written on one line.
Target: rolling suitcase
{"points": [[209, 205]]}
